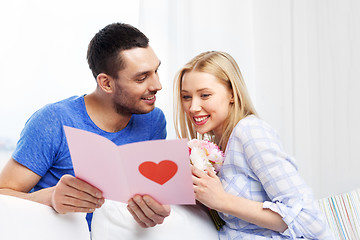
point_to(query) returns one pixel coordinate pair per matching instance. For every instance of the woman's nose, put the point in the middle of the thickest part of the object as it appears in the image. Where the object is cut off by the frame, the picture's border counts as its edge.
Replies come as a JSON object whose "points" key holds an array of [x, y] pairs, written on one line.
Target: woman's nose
{"points": [[195, 106]]}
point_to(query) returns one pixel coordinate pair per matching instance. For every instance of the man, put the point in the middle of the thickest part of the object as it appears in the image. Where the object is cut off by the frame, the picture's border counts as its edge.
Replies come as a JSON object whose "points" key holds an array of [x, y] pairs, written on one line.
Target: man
{"points": [[121, 109]]}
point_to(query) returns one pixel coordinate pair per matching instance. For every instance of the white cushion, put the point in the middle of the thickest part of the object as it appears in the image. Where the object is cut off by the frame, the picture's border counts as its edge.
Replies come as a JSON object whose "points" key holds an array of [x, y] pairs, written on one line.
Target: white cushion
{"points": [[23, 219], [113, 221]]}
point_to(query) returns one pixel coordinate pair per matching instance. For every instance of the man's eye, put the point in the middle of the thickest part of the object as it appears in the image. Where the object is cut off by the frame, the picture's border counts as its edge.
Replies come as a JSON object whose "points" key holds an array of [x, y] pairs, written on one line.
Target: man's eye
{"points": [[141, 79]]}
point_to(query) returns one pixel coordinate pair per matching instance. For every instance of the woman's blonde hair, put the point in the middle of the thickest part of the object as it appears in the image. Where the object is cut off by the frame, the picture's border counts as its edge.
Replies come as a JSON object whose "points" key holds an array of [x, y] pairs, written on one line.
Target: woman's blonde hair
{"points": [[224, 67]]}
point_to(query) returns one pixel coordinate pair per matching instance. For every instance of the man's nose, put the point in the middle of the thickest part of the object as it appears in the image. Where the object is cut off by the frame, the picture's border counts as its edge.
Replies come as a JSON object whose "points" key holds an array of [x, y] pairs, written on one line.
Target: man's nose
{"points": [[155, 84]]}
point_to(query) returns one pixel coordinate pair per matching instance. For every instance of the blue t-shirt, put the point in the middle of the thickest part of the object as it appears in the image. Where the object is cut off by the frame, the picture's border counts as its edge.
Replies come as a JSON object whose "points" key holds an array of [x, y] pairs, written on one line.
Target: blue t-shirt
{"points": [[43, 148]]}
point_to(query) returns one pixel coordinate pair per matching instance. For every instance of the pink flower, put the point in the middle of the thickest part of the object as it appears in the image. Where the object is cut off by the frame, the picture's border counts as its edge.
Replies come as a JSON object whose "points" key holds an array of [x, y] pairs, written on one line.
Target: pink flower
{"points": [[205, 154]]}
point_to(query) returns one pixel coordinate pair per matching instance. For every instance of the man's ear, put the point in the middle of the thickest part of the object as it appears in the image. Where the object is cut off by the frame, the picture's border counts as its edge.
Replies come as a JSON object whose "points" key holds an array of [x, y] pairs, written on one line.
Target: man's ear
{"points": [[105, 82]]}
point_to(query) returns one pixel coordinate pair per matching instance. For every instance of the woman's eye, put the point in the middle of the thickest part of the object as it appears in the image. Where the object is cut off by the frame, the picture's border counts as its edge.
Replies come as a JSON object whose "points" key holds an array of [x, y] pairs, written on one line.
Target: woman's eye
{"points": [[205, 95], [186, 97]]}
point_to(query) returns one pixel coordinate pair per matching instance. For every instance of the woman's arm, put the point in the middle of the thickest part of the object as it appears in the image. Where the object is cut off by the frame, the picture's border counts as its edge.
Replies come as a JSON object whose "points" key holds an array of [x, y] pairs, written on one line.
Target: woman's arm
{"points": [[209, 190], [256, 150]]}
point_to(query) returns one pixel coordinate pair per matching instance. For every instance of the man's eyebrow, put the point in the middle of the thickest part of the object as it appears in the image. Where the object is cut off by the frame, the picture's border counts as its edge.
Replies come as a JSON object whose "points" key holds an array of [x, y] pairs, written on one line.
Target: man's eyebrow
{"points": [[146, 72]]}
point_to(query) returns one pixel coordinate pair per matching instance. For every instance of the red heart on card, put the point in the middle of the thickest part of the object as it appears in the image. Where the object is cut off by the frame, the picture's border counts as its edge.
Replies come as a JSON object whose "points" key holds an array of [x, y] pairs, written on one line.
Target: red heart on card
{"points": [[159, 173]]}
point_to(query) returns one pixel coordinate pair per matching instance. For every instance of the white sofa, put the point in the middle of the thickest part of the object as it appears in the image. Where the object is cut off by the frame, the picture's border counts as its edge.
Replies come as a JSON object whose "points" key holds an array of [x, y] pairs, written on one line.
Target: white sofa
{"points": [[22, 219]]}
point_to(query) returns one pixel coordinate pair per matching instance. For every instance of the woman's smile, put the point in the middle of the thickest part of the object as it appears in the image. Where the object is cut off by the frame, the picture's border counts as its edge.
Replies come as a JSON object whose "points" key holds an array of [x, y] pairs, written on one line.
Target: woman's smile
{"points": [[201, 120], [206, 101]]}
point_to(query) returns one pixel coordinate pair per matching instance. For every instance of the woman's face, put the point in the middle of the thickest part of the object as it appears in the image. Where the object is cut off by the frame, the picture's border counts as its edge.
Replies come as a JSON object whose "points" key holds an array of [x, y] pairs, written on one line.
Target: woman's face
{"points": [[206, 101]]}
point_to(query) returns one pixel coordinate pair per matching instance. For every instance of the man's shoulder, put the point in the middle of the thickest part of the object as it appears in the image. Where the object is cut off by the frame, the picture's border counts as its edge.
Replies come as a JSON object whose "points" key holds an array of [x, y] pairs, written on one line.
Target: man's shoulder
{"points": [[54, 112], [67, 102], [151, 125], [156, 113], [73, 102]]}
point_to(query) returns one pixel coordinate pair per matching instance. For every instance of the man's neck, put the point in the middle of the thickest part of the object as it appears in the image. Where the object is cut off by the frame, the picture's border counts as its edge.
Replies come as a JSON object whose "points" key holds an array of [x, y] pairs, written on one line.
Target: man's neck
{"points": [[103, 114]]}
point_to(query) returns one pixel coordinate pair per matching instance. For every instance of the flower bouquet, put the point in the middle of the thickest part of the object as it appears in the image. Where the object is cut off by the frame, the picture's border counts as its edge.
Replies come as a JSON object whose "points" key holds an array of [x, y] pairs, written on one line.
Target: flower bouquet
{"points": [[205, 154]]}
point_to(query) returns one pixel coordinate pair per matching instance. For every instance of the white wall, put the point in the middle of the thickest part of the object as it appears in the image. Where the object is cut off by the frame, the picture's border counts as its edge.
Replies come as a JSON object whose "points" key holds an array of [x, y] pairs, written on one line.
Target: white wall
{"points": [[299, 59], [326, 46], [43, 48], [179, 30], [306, 85]]}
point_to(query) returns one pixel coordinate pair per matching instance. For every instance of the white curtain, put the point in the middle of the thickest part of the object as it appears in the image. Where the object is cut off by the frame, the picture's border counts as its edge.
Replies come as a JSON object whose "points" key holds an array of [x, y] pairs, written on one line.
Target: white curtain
{"points": [[299, 59], [179, 30], [325, 75], [43, 48]]}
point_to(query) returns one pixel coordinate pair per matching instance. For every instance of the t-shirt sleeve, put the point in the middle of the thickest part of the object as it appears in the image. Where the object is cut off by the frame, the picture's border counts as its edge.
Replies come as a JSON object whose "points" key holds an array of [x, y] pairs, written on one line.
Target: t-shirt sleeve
{"points": [[36, 148], [158, 125]]}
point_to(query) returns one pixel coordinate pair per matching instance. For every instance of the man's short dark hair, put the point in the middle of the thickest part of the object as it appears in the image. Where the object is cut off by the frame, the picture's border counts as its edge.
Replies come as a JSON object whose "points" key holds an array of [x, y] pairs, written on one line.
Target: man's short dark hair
{"points": [[103, 50]]}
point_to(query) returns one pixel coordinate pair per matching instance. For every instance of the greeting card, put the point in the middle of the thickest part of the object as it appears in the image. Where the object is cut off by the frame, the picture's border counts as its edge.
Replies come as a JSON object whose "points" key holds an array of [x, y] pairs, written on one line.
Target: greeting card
{"points": [[159, 168]]}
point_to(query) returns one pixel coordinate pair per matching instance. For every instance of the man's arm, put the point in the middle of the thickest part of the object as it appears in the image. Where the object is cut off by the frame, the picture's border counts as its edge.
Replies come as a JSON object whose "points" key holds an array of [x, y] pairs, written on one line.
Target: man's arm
{"points": [[69, 195], [147, 212]]}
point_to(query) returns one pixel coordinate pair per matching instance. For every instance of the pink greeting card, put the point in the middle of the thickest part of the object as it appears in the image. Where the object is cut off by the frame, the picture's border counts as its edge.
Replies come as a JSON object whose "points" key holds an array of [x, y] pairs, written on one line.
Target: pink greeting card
{"points": [[159, 168]]}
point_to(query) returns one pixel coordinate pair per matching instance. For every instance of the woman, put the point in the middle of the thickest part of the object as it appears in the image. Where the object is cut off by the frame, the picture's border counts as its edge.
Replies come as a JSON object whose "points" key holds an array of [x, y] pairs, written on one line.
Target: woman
{"points": [[259, 192]]}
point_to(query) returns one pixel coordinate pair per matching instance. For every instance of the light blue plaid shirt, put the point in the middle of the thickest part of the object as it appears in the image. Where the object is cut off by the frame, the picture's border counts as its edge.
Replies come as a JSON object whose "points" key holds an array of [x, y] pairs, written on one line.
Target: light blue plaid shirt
{"points": [[257, 168]]}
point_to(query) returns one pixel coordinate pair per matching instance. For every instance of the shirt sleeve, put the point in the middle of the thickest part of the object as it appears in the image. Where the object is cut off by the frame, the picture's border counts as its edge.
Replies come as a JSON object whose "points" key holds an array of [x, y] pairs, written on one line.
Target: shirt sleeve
{"points": [[36, 147], [290, 196]]}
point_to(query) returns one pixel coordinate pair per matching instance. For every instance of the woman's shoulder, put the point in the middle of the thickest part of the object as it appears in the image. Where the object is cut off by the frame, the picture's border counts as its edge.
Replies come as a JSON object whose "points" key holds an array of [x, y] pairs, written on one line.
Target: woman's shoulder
{"points": [[253, 126], [252, 121]]}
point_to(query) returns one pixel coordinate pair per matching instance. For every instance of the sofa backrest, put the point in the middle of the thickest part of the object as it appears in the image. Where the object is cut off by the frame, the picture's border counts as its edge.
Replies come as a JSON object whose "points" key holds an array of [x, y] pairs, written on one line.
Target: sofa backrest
{"points": [[343, 214]]}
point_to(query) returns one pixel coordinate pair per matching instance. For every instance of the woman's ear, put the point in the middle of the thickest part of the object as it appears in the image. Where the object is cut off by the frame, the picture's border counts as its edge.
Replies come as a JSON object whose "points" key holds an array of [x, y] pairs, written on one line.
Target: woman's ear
{"points": [[105, 82], [232, 100]]}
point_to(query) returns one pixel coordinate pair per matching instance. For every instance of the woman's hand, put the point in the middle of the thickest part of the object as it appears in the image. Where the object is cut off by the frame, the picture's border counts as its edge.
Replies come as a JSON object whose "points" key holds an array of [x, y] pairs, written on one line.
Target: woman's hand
{"points": [[208, 188]]}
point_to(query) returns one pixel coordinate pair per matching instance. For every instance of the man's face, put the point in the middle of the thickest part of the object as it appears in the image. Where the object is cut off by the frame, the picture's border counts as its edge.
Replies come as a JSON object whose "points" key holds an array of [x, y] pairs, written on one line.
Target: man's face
{"points": [[138, 83]]}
